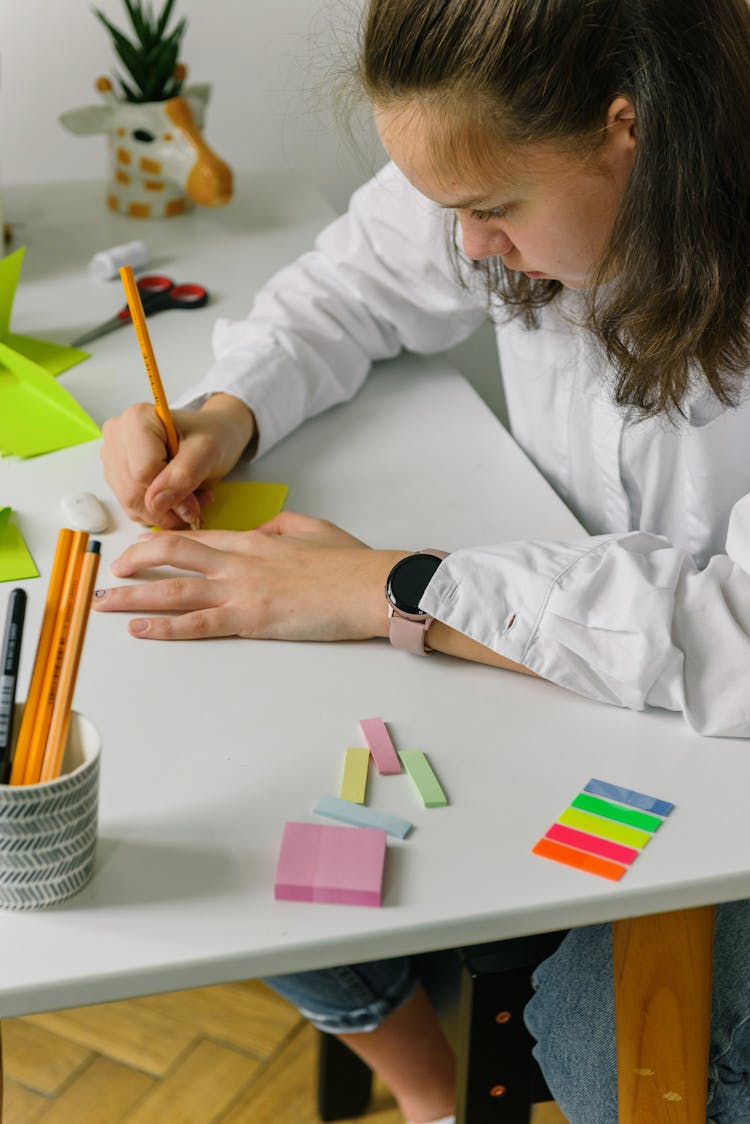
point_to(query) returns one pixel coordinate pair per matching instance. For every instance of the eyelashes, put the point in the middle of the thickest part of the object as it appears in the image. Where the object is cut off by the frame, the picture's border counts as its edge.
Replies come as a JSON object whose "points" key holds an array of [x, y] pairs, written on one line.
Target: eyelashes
{"points": [[485, 216]]}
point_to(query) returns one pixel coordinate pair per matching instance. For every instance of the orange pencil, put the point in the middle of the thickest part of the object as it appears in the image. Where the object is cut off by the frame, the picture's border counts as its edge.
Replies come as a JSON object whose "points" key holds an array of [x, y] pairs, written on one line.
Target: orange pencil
{"points": [[139, 323], [54, 589], [163, 412], [54, 659], [58, 730]]}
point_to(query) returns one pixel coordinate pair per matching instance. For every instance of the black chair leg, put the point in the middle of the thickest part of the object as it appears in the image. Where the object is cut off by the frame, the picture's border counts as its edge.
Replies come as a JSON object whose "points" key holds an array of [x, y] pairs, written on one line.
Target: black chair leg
{"points": [[494, 1081], [344, 1081]]}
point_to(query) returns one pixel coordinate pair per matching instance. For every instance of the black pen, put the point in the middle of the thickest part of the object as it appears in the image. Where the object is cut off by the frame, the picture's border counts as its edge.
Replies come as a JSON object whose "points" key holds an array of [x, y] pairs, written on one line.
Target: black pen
{"points": [[11, 654]]}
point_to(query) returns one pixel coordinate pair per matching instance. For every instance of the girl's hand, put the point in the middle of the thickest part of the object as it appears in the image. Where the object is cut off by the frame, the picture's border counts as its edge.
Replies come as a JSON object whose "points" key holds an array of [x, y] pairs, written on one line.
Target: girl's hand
{"points": [[153, 489], [295, 578]]}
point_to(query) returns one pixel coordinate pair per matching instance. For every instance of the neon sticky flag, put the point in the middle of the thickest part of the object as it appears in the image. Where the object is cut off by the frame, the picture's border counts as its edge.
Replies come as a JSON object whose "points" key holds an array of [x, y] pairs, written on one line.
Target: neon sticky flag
{"points": [[603, 829], [36, 414], [242, 505], [15, 561]]}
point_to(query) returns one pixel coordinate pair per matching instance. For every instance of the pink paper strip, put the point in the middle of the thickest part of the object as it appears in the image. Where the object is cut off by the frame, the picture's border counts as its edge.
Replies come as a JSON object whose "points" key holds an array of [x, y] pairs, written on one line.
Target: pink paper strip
{"points": [[380, 745], [592, 843], [321, 863]]}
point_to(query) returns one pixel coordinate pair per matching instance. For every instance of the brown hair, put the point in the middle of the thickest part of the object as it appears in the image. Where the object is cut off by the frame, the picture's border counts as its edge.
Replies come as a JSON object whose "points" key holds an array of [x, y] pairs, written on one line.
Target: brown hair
{"points": [[517, 72]]}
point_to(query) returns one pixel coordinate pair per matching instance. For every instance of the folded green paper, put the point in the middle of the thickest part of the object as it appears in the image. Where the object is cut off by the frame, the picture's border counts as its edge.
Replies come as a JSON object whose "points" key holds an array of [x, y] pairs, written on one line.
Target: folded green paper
{"points": [[36, 414], [15, 561]]}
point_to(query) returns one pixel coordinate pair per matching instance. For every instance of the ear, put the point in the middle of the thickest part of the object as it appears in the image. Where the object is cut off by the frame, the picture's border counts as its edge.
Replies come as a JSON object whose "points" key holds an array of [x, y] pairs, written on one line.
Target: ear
{"points": [[621, 118], [89, 119]]}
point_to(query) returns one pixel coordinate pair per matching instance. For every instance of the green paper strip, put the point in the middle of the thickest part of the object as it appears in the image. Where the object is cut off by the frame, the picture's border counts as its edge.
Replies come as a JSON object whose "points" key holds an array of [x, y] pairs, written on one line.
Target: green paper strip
{"points": [[605, 829], [425, 781], [616, 812]]}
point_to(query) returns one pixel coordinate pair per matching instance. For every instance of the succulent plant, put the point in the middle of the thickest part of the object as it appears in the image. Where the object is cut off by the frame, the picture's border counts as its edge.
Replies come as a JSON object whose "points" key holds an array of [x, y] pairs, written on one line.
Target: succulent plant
{"points": [[151, 58]]}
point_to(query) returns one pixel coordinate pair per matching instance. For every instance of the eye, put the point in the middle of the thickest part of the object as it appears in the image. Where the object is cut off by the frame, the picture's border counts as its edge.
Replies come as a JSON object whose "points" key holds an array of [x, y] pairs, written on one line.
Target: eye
{"points": [[143, 135], [485, 216]]}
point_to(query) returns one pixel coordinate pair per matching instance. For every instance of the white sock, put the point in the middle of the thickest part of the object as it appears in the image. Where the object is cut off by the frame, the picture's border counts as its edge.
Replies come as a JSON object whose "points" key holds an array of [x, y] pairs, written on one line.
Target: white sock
{"points": [[443, 1120]]}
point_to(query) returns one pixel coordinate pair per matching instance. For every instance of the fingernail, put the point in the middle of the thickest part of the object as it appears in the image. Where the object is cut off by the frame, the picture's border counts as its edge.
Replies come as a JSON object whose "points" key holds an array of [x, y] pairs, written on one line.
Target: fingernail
{"points": [[99, 593], [186, 512], [145, 536], [139, 626], [163, 501]]}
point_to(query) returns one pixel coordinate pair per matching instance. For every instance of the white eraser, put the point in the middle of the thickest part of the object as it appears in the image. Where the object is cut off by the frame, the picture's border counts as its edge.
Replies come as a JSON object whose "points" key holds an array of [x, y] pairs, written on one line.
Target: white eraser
{"points": [[84, 512]]}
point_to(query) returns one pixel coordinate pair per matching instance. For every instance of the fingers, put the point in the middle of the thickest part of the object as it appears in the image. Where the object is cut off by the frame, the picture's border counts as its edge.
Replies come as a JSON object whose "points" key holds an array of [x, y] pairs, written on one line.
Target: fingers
{"points": [[199, 625], [133, 453], [183, 552], [175, 594], [176, 484]]}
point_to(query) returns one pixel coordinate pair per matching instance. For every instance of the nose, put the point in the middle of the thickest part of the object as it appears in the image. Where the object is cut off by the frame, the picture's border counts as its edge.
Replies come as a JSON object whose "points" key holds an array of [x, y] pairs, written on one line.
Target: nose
{"points": [[482, 239]]}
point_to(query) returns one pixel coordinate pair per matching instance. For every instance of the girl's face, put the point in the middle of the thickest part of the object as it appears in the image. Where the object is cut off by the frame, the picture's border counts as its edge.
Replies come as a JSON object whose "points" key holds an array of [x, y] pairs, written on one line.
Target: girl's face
{"points": [[545, 213]]}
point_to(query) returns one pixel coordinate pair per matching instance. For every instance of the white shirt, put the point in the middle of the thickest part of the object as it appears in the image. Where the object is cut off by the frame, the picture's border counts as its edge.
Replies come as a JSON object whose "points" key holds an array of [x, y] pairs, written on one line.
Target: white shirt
{"points": [[654, 608]]}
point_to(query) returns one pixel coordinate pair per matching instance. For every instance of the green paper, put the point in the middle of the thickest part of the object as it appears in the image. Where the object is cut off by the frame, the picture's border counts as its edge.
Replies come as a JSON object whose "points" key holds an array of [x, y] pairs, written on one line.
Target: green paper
{"points": [[242, 505], [426, 783], [616, 812], [36, 415], [54, 358], [15, 561], [605, 829]]}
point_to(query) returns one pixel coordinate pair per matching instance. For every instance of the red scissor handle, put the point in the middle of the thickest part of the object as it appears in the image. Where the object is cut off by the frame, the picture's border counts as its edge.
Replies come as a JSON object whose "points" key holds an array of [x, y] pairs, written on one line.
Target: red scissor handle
{"points": [[159, 292], [154, 283]]}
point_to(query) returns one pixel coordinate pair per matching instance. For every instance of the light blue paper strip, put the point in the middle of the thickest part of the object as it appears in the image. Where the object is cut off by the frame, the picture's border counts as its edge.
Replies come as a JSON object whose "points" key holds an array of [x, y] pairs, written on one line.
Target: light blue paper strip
{"points": [[347, 812], [628, 796]]}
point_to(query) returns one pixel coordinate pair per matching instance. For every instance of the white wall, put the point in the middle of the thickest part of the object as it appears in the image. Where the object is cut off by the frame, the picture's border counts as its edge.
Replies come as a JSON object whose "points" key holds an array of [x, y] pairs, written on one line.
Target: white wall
{"points": [[271, 66], [274, 66]]}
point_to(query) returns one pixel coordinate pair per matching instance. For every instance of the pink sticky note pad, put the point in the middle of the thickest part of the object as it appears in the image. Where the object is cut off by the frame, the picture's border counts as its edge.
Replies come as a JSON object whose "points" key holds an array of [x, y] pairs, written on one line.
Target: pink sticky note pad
{"points": [[321, 863], [380, 745]]}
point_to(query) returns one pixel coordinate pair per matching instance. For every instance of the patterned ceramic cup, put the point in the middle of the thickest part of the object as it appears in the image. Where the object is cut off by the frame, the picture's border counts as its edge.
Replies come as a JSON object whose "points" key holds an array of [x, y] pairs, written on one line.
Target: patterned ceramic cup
{"points": [[48, 831]]}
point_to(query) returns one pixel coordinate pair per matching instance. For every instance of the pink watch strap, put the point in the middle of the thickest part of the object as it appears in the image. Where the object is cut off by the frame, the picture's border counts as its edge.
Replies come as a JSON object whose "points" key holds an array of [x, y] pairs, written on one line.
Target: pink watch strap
{"points": [[409, 635]]}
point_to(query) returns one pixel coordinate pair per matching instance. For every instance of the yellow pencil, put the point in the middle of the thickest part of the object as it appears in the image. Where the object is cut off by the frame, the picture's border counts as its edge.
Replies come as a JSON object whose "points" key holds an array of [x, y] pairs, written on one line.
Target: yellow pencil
{"points": [[58, 730], [51, 678], [54, 589], [138, 317], [149, 359]]}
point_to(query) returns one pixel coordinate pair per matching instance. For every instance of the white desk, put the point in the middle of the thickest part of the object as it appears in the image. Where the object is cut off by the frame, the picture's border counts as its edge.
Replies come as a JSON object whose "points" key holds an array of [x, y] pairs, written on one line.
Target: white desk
{"points": [[209, 747]]}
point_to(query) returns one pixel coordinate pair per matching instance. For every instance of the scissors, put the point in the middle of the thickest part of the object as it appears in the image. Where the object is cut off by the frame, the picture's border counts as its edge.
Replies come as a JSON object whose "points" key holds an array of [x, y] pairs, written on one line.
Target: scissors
{"points": [[157, 293]]}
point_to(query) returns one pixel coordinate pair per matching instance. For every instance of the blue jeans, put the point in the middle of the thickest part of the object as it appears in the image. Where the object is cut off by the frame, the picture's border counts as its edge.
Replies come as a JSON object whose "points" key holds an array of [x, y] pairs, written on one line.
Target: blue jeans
{"points": [[571, 1015]]}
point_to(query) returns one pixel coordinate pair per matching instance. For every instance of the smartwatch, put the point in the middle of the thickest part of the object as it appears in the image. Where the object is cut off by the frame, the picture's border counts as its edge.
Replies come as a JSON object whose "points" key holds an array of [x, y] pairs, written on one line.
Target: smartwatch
{"points": [[404, 589]]}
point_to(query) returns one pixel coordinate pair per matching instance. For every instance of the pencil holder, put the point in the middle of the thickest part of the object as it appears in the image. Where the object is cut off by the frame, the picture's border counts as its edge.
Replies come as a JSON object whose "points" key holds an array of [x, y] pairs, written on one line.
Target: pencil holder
{"points": [[48, 831]]}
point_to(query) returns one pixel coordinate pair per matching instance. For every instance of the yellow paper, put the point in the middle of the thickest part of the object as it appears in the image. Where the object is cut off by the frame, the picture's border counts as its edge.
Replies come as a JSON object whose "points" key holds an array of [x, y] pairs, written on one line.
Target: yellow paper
{"points": [[242, 505], [36, 415], [15, 561]]}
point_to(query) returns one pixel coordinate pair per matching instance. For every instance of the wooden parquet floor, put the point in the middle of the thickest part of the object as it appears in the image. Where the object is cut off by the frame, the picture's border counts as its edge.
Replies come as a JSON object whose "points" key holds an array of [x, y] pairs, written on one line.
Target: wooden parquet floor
{"points": [[235, 1054]]}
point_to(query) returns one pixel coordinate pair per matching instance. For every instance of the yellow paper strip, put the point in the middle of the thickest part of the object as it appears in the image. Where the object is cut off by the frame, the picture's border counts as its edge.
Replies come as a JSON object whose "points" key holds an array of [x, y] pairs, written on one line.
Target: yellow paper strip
{"points": [[354, 780]]}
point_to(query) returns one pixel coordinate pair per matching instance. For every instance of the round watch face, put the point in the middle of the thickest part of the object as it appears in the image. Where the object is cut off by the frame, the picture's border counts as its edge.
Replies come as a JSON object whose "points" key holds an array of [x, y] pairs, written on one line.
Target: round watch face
{"points": [[409, 579]]}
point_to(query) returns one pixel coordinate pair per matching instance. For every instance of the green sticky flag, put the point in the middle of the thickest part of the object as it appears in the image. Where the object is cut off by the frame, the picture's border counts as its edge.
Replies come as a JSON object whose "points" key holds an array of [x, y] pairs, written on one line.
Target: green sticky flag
{"points": [[36, 415], [15, 561]]}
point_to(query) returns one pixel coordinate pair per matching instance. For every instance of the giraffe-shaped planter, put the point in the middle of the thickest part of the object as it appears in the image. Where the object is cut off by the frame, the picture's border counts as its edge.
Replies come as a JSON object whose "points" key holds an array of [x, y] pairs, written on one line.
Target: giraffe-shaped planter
{"points": [[159, 162]]}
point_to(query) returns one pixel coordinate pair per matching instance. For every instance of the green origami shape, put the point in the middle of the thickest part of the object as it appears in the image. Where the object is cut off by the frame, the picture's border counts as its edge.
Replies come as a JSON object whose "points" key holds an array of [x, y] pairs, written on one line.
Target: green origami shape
{"points": [[36, 414], [15, 561]]}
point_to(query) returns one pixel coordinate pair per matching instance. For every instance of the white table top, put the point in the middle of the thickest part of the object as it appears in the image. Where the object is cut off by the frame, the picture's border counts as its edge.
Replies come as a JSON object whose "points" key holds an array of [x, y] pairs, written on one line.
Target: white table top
{"points": [[208, 748]]}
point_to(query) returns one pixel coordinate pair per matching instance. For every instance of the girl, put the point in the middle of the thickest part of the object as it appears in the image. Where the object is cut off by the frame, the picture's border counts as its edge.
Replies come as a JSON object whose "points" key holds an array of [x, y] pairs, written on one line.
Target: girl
{"points": [[575, 169]]}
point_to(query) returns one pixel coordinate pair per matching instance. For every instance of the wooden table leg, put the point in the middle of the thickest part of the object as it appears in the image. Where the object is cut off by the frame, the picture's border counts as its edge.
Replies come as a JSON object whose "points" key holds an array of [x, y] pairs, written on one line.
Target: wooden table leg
{"points": [[662, 972]]}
